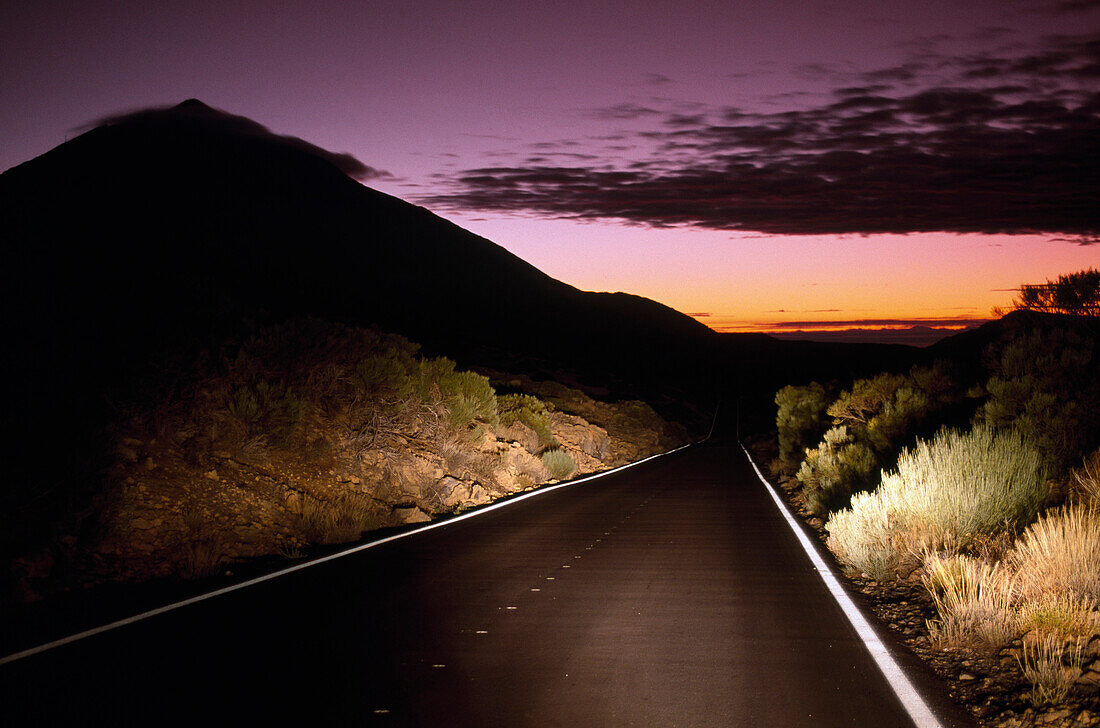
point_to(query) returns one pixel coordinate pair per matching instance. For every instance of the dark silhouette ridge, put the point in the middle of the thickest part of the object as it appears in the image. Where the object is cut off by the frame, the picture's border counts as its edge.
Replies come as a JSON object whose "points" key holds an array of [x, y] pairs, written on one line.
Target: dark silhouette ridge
{"points": [[161, 234]]}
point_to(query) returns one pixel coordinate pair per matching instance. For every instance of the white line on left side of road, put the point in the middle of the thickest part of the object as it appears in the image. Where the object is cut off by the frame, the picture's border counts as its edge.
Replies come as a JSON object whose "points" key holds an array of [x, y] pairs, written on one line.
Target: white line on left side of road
{"points": [[315, 562], [918, 710]]}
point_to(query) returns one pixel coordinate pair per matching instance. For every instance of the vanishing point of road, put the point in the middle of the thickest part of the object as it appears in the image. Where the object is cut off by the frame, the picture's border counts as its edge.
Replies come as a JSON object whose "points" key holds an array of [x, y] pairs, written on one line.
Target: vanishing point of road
{"points": [[672, 593]]}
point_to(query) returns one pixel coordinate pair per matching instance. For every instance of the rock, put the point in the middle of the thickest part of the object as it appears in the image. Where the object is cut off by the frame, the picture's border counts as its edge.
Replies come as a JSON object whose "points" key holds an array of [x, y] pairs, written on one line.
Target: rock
{"points": [[210, 475], [141, 524], [411, 515], [578, 435], [522, 434], [478, 496], [1090, 678], [452, 492]]}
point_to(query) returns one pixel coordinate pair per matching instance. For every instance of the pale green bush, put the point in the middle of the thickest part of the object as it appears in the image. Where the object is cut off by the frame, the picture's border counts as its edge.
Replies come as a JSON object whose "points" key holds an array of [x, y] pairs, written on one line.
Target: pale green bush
{"points": [[558, 463], [944, 492], [532, 412], [835, 470]]}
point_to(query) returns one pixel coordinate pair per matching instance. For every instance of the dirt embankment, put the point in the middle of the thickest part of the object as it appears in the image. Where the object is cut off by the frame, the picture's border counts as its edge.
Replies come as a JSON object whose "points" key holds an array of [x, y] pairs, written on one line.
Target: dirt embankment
{"points": [[275, 454]]}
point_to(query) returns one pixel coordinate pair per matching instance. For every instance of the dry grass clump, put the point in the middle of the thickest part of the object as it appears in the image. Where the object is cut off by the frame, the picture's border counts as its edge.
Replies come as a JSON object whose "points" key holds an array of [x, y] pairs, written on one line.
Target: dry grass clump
{"points": [[945, 493], [1050, 668], [1047, 589], [339, 520], [202, 557], [973, 599], [1086, 486], [1060, 554]]}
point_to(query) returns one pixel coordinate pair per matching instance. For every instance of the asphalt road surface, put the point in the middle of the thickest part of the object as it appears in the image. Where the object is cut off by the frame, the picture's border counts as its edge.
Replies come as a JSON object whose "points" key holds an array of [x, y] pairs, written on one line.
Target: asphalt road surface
{"points": [[670, 594]]}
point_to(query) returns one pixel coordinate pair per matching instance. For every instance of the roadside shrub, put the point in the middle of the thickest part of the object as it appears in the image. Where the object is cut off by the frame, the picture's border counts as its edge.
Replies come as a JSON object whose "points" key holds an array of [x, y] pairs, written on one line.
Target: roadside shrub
{"points": [[973, 600], [1087, 480], [558, 463], [1068, 616], [1050, 670], [944, 492], [468, 396], [872, 420], [532, 412], [800, 421], [339, 520], [265, 408], [835, 470], [1046, 384], [1060, 553]]}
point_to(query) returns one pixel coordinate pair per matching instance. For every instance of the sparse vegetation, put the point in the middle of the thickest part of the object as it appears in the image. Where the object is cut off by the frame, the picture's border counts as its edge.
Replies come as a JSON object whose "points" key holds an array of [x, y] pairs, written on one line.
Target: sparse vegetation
{"points": [[800, 421], [1060, 554], [339, 520], [871, 422], [973, 600], [532, 412], [558, 463]]}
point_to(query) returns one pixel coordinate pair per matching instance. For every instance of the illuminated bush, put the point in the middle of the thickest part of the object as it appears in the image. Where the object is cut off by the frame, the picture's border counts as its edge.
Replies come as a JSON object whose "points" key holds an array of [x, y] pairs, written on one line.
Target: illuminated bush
{"points": [[469, 398], [1061, 553], [532, 412], [944, 493], [871, 422], [800, 421], [558, 463], [835, 470], [973, 600]]}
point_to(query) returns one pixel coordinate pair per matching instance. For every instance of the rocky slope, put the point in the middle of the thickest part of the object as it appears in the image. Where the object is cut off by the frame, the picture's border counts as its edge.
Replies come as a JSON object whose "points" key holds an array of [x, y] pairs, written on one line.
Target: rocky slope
{"points": [[316, 433]]}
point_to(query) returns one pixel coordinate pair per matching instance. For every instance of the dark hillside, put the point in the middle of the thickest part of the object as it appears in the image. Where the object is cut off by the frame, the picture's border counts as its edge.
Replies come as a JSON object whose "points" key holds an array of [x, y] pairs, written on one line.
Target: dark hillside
{"points": [[165, 235]]}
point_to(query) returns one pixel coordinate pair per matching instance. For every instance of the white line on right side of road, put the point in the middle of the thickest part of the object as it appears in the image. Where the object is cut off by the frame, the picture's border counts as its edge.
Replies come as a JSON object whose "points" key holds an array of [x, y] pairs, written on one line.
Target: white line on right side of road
{"points": [[914, 704]]}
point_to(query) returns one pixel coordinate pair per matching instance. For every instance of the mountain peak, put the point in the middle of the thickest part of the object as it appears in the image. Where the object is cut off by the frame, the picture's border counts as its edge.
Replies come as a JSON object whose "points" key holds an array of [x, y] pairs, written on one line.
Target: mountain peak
{"points": [[192, 104]]}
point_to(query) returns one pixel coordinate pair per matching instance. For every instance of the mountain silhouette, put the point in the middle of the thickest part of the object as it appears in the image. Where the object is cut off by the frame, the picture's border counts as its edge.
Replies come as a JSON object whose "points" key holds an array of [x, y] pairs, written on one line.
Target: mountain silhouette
{"points": [[159, 235], [174, 222]]}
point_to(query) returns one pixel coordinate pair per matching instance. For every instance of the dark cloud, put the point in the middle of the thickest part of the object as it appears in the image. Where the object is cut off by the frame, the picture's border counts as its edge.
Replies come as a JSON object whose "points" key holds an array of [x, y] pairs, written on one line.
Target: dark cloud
{"points": [[1018, 153], [625, 111], [193, 111]]}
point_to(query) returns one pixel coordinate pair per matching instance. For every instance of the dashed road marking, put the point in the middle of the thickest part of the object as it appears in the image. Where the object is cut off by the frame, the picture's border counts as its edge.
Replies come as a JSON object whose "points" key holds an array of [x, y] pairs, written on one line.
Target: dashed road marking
{"points": [[317, 562]]}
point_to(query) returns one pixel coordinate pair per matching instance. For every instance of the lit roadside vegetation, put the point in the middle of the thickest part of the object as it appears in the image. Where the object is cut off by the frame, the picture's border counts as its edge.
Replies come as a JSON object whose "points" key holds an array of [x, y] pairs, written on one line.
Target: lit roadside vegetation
{"points": [[997, 515]]}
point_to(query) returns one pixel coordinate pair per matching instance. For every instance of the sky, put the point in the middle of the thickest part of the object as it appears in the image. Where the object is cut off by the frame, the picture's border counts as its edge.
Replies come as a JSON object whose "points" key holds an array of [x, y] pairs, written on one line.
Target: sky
{"points": [[845, 169]]}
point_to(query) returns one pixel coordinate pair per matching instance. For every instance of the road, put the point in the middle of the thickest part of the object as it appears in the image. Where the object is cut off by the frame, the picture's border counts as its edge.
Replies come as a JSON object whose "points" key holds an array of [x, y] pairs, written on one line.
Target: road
{"points": [[670, 594]]}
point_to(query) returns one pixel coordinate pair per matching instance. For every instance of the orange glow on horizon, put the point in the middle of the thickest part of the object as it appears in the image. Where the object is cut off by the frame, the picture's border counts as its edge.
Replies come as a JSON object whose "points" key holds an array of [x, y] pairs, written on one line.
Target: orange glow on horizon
{"points": [[781, 284]]}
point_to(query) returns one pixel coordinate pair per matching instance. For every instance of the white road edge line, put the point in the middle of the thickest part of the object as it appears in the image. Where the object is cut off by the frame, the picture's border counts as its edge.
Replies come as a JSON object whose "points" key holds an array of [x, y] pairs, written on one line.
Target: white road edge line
{"points": [[331, 557], [914, 704]]}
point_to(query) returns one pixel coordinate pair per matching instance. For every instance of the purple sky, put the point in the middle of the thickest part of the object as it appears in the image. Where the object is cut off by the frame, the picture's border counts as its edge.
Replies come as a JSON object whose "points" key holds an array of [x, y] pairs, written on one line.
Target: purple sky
{"points": [[757, 164]]}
